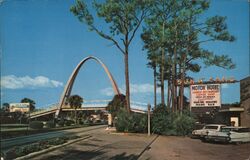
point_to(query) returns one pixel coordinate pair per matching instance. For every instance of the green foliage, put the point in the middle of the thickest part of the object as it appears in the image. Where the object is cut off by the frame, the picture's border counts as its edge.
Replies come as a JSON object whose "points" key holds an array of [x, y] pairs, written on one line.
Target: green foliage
{"points": [[50, 124], [161, 121], [30, 101], [61, 122], [123, 18], [68, 122], [183, 124], [56, 141], [132, 122], [36, 125], [75, 101], [168, 123], [26, 149], [116, 104]]}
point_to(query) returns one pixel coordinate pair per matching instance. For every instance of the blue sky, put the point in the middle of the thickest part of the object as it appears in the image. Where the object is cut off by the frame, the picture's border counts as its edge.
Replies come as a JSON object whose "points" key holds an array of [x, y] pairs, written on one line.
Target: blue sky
{"points": [[42, 42]]}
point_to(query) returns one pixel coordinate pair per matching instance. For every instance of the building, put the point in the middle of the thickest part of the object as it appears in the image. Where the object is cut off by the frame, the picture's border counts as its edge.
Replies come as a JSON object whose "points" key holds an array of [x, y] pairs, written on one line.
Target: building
{"points": [[245, 101], [19, 107]]}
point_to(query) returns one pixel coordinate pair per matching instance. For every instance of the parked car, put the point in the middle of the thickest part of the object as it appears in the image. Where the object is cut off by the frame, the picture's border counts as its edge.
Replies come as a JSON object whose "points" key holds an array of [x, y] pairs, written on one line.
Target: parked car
{"points": [[239, 135], [223, 135], [201, 133], [230, 135]]}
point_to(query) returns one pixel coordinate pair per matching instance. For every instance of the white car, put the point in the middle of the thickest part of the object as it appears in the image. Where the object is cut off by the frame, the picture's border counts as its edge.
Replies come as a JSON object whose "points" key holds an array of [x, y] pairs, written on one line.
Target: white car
{"points": [[201, 133], [229, 134], [223, 135], [239, 135]]}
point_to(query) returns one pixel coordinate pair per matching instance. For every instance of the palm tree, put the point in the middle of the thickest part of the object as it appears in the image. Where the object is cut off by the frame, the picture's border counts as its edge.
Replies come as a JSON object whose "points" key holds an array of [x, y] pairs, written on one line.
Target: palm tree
{"points": [[75, 101]]}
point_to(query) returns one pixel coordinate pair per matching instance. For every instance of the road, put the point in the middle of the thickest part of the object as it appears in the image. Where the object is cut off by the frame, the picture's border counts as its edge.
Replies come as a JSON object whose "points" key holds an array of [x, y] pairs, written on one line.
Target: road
{"points": [[102, 146], [106, 145], [8, 143]]}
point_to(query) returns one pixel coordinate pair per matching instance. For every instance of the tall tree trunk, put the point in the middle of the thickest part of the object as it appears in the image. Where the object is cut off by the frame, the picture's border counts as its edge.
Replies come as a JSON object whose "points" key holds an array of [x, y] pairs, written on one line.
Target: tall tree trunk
{"points": [[155, 100], [169, 95], [127, 79], [162, 67], [174, 89], [182, 84]]}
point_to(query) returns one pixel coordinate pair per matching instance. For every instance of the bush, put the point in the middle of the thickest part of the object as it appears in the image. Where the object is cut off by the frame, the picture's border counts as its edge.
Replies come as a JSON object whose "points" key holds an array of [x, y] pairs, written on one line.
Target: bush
{"points": [[68, 122], [26, 149], [36, 125], [61, 122], [184, 124], [50, 124], [168, 123], [132, 122]]}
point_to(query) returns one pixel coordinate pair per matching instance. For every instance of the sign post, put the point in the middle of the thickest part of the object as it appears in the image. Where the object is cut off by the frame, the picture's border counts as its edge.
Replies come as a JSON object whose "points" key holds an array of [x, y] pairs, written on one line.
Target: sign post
{"points": [[149, 108]]}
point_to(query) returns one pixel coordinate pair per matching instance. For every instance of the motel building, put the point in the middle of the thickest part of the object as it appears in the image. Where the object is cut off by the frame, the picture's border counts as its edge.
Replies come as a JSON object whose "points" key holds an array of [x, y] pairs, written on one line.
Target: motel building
{"points": [[205, 104]]}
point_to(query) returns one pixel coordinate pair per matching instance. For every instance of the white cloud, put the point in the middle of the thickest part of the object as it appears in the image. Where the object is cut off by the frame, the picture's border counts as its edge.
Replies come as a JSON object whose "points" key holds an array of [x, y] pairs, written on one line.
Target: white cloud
{"points": [[141, 88], [107, 91], [13, 82], [134, 89]]}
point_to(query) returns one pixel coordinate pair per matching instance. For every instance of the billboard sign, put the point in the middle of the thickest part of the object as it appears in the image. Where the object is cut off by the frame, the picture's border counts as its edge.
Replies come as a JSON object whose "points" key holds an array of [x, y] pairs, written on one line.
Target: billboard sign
{"points": [[205, 95], [19, 107]]}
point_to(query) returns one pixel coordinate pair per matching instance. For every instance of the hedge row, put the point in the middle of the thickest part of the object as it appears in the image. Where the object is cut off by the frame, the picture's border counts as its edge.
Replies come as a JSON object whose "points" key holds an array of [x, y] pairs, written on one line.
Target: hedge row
{"points": [[162, 122]]}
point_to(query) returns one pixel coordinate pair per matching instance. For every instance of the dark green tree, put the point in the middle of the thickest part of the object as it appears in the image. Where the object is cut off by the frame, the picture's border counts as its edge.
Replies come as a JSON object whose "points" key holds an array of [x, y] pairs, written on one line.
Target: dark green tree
{"points": [[179, 34], [75, 101], [155, 33], [6, 107], [31, 102], [123, 18], [212, 29], [154, 60], [118, 102]]}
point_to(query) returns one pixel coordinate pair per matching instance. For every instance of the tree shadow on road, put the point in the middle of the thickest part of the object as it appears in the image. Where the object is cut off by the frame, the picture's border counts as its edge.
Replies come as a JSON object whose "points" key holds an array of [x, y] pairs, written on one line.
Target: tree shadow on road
{"points": [[123, 156], [88, 155], [74, 155]]}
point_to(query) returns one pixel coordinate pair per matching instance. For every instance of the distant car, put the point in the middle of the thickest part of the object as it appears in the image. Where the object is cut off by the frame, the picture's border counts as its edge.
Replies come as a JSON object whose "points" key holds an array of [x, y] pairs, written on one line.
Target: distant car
{"points": [[201, 133], [230, 135]]}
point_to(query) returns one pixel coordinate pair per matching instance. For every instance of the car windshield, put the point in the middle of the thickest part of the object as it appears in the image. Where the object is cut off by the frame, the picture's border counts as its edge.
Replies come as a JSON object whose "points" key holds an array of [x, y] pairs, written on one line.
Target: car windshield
{"points": [[211, 127]]}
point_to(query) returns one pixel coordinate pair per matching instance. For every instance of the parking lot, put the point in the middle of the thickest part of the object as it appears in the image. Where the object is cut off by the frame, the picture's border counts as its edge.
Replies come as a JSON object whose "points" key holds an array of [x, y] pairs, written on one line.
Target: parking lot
{"points": [[185, 148], [104, 145]]}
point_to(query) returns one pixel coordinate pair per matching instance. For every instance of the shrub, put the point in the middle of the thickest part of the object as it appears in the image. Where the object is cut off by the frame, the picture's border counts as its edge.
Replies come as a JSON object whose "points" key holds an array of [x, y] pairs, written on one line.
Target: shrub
{"points": [[132, 122], [184, 124], [61, 122], [69, 122], [26, 149], [161, 121], [36, 125], [168, 123], [50, 124]]}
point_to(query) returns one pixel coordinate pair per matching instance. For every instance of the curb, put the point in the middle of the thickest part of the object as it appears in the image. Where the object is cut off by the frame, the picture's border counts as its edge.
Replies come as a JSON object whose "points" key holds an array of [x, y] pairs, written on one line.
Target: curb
{"points": [[34, 154]]}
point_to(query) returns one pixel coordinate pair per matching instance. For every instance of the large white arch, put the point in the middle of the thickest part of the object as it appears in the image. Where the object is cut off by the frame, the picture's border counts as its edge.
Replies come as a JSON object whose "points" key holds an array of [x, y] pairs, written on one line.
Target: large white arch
{"points": [[68, 87]]}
